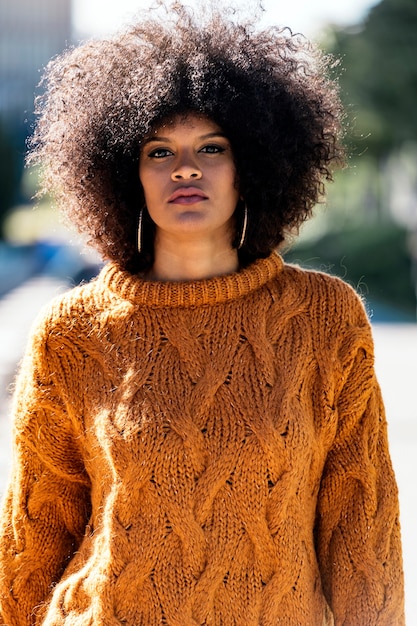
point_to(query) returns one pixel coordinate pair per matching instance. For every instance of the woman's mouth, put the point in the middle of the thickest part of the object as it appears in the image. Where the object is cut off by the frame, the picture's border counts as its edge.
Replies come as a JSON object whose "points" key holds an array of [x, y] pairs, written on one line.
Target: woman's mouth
{"points": [[187, 195]]}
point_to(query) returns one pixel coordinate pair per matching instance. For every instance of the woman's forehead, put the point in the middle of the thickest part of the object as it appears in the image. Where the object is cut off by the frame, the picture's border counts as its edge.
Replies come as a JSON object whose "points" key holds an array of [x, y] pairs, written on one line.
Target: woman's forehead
{"points": [[190, 121]]}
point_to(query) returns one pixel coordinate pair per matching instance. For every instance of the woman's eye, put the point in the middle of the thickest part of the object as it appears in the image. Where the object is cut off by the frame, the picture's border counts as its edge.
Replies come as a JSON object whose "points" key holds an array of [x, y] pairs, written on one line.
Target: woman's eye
{"points": [[212, 149], [159, 153]]}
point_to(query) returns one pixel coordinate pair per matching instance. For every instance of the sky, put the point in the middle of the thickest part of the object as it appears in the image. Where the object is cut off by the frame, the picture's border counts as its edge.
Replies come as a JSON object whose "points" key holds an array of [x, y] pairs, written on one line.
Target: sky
{"points": [[98, 17]]}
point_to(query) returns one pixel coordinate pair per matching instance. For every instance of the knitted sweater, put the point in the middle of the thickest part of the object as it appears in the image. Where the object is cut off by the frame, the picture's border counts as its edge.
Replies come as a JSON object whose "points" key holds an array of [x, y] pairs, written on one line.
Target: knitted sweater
{"points": [[202, 453]]}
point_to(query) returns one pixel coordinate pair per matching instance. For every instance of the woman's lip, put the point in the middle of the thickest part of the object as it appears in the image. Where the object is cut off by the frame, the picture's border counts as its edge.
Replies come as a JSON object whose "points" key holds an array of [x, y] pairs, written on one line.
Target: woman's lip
{"points": [[187, 195], [188, 199]]}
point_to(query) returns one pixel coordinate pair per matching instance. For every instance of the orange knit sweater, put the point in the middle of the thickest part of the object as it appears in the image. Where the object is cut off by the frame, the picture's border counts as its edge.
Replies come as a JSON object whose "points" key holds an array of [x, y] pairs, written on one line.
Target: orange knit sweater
{"points": [[202, 453]]}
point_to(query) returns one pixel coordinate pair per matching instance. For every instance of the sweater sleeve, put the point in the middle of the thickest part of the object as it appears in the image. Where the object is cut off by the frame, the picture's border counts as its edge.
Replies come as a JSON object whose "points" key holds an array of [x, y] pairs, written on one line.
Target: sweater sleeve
{"points": [[357, 527], [46, 507]]}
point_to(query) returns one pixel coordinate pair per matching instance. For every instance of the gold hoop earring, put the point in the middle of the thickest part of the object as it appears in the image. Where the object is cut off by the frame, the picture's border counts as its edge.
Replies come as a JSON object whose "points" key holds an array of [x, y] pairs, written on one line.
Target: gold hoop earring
{"points": [[244, 228], [139, 238]]}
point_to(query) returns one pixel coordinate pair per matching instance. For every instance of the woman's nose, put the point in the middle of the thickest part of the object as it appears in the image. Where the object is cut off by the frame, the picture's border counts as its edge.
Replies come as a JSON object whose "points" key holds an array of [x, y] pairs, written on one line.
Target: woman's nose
{"points": [[186, 170]]}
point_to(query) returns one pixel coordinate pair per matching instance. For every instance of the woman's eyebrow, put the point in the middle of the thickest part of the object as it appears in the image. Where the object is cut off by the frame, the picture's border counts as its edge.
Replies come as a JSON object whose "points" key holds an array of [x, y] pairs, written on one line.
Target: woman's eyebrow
{"points": [[155, 138], [211, 135], [167, 139]]}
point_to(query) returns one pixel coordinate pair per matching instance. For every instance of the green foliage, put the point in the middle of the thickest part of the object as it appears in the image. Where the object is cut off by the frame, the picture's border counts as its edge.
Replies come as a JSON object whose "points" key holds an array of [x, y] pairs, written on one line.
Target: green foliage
{"points": [[379, 84], [374, 259]]}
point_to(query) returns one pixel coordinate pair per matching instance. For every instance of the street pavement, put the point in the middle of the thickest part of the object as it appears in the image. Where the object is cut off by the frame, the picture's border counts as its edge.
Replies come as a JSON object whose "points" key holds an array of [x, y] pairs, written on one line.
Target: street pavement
{"points": [[396, 366]]}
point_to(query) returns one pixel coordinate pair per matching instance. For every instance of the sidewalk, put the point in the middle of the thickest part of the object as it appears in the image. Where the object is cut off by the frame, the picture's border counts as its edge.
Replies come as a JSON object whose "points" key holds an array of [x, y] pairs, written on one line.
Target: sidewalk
{"points": [[396, 366]]}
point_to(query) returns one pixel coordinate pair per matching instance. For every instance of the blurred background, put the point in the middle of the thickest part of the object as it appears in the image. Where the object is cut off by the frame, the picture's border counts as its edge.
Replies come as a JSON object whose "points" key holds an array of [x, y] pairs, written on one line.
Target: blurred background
{"points": [[366, 232]]}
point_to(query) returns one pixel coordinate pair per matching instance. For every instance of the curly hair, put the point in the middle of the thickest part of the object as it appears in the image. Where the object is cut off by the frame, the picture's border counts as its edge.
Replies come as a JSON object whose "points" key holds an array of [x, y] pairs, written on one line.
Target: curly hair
{"points": [[270, 91]]}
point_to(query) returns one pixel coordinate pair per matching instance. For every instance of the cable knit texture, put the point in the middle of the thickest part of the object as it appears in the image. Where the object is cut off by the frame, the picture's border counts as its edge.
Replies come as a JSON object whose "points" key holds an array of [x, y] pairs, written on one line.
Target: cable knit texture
{"points": [[202, 453]]}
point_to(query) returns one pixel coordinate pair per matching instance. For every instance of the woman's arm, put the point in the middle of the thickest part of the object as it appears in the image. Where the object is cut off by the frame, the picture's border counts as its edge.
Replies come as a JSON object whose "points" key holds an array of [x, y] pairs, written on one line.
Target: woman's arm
{"points": [[357, 530], [46, 507]]}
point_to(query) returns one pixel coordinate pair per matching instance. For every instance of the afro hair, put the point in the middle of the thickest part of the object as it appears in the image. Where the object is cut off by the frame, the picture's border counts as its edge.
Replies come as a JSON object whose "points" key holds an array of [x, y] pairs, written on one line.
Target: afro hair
{"points": [[271, 92]]}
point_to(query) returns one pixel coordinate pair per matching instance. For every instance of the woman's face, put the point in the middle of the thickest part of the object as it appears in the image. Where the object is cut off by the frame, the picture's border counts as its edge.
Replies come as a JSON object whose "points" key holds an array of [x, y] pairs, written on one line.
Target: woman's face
{"points": [[188, 176]]}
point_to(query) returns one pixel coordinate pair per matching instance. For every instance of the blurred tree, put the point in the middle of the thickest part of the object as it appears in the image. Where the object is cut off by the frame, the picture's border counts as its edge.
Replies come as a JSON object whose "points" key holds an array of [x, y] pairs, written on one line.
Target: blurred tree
{"points": [[380, 78], [9, 173], [369, 235]]}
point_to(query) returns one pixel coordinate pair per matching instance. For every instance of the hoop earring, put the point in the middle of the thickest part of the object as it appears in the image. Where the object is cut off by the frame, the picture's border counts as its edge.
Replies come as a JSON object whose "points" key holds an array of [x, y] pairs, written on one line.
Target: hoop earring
{"points": [[244, 228], [139, 237]]}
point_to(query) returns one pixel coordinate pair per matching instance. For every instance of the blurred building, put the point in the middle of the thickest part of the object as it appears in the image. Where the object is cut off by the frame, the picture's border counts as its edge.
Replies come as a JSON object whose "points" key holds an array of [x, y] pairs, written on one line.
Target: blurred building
{"points": [[31, 32]]}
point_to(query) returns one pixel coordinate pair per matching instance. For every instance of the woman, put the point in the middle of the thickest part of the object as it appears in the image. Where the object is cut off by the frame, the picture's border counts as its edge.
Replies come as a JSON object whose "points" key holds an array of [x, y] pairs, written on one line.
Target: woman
{"points": [[199, 433]]}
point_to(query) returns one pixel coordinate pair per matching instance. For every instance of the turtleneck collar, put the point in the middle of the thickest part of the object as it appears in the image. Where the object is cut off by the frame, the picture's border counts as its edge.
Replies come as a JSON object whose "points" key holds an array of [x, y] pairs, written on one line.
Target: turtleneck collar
{"points": [[210, 291]]}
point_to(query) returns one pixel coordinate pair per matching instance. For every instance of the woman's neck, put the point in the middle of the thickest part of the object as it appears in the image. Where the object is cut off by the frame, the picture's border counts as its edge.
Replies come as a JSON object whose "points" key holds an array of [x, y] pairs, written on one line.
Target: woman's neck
{"points": [[192, 259]]}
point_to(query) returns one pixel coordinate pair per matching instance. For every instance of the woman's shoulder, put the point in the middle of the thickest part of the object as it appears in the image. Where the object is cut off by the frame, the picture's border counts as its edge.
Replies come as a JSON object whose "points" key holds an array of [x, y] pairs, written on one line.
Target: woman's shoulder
{"points": [[76, 307], [324, 293]]}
